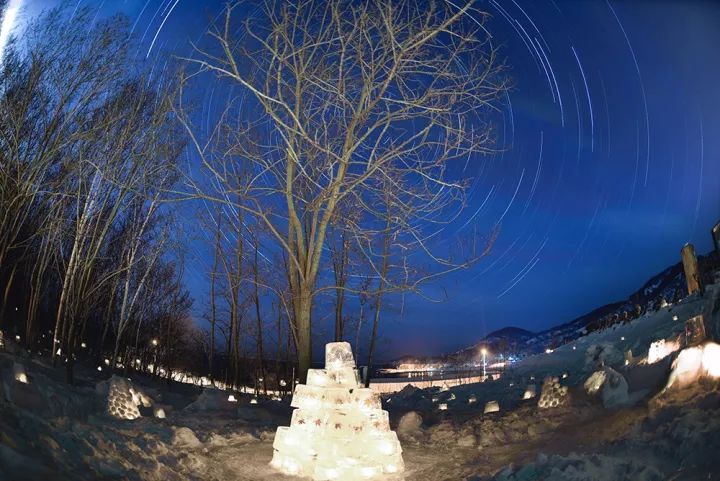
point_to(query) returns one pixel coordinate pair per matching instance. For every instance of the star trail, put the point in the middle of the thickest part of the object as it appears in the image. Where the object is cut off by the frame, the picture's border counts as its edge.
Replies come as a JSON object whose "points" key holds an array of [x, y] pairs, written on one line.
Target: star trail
{"points": [[606, 159]]}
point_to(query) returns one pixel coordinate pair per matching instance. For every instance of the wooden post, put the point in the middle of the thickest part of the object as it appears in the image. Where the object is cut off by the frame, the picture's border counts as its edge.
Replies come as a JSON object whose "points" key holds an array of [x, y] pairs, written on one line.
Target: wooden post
{"points": [[692, 273], [695, 331]]}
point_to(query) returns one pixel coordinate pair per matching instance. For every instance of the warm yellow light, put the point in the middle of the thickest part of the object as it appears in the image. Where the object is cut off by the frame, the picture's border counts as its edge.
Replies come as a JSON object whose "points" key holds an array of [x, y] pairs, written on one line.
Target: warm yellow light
{"points": [[711, 359]]}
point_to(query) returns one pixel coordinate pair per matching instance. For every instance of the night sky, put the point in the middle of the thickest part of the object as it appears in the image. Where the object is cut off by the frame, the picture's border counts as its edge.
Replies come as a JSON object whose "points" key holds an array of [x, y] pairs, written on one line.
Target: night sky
{"points": [[609, 162]]}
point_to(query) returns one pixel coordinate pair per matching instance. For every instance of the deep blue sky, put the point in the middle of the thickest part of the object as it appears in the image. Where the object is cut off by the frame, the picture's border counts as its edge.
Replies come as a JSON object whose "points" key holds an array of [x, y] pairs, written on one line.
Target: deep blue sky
{"points": [[611, 159]]}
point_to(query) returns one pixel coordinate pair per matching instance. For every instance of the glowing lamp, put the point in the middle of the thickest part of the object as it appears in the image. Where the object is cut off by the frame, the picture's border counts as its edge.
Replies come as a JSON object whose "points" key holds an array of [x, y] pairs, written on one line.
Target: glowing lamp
{"points": [[529, 392], [711, 360], [231, 398]]}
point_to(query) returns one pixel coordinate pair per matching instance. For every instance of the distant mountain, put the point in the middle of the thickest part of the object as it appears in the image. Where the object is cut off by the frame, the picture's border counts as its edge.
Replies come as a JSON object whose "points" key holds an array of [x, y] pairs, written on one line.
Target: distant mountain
{"points": [[668, 285], [511, 333], [508, 340]]}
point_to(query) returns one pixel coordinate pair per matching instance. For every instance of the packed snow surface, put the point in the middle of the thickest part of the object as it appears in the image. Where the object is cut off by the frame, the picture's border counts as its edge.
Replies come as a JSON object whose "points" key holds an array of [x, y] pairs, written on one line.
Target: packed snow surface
{"points": [[629, 428]]}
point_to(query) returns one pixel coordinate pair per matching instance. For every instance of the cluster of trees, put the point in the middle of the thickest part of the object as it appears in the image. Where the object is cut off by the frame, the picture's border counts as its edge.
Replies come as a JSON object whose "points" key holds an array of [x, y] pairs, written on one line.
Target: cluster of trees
{"points": [[333, 151], [321, 184], [87, 155]]}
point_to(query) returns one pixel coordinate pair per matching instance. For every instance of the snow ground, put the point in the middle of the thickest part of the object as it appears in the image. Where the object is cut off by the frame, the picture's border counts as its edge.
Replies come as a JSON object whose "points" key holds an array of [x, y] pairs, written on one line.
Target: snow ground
{"points": [[50, 431]]}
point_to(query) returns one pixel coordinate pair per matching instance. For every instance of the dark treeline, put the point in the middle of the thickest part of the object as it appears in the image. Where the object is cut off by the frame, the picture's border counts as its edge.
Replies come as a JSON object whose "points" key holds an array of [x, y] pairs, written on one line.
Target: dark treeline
{"points": [[87, 155]]}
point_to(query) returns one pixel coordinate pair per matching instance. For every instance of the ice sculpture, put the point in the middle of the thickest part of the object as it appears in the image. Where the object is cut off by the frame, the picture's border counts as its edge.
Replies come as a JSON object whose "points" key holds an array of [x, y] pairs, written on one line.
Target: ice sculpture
{"points": [[552, 394], [339, 430], [124, 399]]}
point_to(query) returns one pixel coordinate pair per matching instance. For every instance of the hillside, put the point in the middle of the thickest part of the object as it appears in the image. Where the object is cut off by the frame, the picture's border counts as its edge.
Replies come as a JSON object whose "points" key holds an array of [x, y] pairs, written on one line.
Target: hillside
{"points": [[667, 286]]}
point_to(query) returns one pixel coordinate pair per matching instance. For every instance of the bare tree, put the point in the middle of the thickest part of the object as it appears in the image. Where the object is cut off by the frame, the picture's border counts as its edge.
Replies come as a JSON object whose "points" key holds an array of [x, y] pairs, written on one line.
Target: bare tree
{"points": [[347, 102]]}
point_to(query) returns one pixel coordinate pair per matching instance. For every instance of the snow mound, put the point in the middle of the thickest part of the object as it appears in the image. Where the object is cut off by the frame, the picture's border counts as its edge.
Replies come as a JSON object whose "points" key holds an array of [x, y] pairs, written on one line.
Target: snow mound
{"points": [[211, 400], [603, 354], [409, 425], [185, 438]]}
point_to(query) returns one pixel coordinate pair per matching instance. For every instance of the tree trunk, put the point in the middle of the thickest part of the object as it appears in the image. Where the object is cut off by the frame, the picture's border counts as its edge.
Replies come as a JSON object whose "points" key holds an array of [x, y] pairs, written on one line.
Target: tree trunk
{"points": [[303, 307], [378, 301], [6, 294], [260, 354]]}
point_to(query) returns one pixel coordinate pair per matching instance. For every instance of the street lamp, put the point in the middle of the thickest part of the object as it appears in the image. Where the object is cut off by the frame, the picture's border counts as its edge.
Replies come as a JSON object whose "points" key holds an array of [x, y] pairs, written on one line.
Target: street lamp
{"points": [[484, 354]]}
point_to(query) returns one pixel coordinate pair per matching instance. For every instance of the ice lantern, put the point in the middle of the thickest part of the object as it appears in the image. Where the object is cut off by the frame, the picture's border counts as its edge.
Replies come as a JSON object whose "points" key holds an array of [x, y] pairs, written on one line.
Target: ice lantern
{"points": [[339, 430]]}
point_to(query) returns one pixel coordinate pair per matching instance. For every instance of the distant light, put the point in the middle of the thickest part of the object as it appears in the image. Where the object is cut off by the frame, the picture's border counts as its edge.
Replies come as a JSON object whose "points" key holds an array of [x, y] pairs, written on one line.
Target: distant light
{"points": [[107, 362], [548, 351], [254, 401], [137, 361], [17, 338], [99, 368], [83, 345], [442, 407], [59, 351], [622, 338], [675, 318], [154, 342], [574, 348], [231, 398]]}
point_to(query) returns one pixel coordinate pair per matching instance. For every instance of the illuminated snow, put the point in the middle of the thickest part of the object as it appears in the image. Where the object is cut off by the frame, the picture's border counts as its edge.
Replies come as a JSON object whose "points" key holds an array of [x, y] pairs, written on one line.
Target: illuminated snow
{"points": [[552, 394], [659, 350]]}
